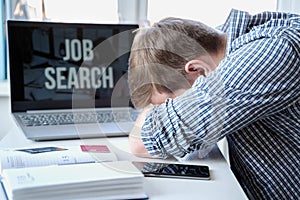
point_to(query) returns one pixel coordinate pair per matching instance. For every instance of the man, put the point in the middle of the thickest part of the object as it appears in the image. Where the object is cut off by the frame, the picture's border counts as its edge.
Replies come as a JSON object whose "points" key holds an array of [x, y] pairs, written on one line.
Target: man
{"points": [[241, 82]]}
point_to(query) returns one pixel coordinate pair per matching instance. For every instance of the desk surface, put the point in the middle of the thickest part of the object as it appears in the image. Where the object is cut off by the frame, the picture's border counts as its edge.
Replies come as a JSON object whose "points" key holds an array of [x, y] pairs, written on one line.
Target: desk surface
{"points": [[222, 185]]}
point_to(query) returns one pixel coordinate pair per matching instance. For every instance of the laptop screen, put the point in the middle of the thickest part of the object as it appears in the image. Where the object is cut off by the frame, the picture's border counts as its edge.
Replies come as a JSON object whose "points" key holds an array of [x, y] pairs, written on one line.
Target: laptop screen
{"points": [[57, 65]]}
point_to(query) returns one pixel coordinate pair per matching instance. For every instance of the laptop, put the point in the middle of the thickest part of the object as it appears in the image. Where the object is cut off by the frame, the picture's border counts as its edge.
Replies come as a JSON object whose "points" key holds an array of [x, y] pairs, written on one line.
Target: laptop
{"points": [[69, 80]]}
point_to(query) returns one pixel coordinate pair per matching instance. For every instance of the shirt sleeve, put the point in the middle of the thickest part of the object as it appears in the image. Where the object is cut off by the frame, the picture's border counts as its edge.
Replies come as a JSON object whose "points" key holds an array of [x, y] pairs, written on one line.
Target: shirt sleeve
{"points": [[255, 81]]}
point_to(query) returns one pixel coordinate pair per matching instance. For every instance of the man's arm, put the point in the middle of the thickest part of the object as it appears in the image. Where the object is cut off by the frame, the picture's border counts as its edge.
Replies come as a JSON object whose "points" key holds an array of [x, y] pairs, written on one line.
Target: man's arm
{"points": [[135, 139]]}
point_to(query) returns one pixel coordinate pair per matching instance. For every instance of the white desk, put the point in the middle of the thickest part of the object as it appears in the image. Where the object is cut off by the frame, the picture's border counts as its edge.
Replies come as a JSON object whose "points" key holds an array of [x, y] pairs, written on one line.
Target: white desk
{"points": [[222, 185]]}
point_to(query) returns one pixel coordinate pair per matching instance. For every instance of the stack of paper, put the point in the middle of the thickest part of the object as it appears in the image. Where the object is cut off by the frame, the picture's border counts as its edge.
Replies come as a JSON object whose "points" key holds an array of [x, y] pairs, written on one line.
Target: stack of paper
{"points": [[108, 180]]}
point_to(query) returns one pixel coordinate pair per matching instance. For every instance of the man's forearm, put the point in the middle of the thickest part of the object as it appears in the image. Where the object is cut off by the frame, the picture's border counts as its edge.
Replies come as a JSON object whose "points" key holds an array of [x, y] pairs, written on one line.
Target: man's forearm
{"points": [[135, 140]]}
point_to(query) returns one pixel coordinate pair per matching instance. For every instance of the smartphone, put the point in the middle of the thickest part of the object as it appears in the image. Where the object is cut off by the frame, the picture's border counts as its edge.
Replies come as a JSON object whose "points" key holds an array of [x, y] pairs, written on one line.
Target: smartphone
{"points": [[173, 170]]}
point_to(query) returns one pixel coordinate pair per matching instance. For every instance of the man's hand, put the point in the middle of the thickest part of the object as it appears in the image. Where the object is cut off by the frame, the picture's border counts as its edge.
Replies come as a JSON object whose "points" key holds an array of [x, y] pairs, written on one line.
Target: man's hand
{"points": [[135, 140]]}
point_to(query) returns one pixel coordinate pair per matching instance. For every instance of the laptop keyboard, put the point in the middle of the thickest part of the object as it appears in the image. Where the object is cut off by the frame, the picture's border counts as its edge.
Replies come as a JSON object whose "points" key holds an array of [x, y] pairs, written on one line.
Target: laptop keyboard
{"points": [[77, 118]]}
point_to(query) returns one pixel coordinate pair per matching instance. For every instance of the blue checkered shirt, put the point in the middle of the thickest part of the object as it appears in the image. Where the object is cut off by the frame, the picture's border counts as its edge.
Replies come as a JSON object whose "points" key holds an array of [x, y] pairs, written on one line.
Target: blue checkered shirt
{"points": [[252, 99]]}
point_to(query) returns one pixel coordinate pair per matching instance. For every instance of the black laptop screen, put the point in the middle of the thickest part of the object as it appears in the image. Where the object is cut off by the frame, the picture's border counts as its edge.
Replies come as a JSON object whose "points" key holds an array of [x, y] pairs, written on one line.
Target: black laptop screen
{"points": [[58, 65]]}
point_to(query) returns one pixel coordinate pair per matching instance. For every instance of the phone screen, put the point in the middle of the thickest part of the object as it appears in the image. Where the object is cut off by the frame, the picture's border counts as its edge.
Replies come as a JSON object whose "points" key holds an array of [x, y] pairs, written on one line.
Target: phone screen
{"points": [[171, 170]]}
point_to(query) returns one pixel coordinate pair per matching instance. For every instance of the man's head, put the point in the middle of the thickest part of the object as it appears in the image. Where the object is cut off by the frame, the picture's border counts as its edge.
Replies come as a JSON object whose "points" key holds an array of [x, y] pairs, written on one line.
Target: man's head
{"points": [[167, 58]]}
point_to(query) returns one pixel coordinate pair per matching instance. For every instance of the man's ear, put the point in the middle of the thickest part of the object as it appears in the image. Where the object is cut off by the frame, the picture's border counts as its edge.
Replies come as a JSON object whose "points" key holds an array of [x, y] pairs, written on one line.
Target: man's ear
{"points": [[197, 66]]}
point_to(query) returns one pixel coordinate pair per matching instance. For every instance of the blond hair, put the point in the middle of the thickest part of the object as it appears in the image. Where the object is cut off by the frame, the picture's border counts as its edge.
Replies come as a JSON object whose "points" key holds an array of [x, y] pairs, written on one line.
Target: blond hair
{"points": [[160, 52]]}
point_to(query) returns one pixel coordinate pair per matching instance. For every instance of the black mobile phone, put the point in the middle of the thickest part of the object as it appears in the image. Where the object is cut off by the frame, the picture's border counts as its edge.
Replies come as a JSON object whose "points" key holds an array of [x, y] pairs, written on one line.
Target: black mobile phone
{"points": [[173, 170]]}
